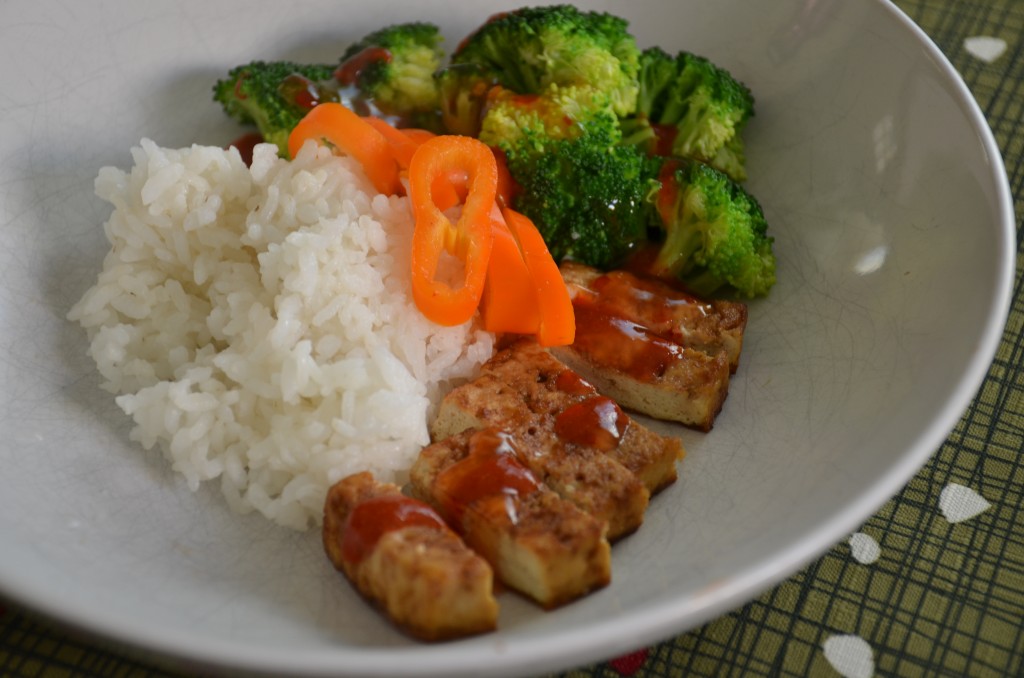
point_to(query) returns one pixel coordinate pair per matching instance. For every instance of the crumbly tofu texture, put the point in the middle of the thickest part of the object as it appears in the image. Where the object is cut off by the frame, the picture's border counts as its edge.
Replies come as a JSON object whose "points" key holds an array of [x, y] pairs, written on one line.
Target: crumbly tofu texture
{"points": [[538, 544], [425, 580], [518, 389], [708, 326]]}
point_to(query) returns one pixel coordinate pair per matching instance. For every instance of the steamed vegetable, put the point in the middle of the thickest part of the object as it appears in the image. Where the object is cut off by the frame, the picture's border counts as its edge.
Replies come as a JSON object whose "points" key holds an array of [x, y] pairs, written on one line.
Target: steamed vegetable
{"points": [[392, 71], [557, 326], [355, 136], [602, 148], [689, 107], [556, 81], [715, 232], [468, 240], [583, 190], [509, 302], [463, 91], [588, 198], [507, 269], [533, 48], [274, 96]]}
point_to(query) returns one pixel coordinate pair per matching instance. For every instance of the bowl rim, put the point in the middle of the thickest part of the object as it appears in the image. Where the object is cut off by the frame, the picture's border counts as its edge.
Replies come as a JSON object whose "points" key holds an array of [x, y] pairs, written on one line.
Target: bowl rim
{"points": [[632, 629]]}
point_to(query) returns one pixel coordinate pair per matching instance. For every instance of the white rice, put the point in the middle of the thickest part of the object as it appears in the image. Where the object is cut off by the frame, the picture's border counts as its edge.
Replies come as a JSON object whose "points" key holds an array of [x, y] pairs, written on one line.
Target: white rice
{"points": [[257, 325]]}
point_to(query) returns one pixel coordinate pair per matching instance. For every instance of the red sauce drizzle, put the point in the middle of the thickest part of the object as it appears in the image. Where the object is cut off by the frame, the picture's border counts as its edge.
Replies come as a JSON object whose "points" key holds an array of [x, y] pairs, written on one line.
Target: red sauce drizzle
{"points": [[372, 519], [350, 69], [245, 144], [239, 94], [597, 422], [569, 382], [668, 194], [491, 469], [641, 261], [300, 91], [622, 344], [665, 138], [534, 102], [525, 100], [659, 305]]}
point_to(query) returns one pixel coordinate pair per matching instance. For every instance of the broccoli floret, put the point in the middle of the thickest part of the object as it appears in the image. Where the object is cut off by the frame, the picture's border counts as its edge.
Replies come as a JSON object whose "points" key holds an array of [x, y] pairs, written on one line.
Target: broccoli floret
{"points": [[463, 91], [526, 123], [715, 232], [731, 159], [274, 96], [392, 71], [688, 106], [530, 49], [584, 62], [584, 191], [587, 197]]}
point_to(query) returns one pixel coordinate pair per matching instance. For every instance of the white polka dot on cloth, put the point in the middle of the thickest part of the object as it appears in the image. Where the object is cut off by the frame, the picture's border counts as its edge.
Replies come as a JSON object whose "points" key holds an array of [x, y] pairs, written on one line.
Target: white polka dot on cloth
{"points": [[850, 655], [985, 47], [864, 548], [959, 503]]}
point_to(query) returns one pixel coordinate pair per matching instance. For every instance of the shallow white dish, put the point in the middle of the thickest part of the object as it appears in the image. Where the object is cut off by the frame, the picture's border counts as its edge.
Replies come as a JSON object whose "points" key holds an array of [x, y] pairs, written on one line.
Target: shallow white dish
{"points": [[894, 231]]}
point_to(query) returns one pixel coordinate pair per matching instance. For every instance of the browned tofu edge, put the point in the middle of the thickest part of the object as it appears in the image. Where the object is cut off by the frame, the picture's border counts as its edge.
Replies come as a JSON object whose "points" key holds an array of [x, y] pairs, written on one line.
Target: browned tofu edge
{"points": [[692, 391], [426, 581], [720, 329], [502, 387], [538, 544]]}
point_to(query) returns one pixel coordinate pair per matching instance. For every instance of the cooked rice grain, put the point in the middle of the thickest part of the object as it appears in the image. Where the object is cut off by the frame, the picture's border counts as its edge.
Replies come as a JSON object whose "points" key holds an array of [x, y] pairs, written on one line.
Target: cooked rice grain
{"points": [[257, 326]]}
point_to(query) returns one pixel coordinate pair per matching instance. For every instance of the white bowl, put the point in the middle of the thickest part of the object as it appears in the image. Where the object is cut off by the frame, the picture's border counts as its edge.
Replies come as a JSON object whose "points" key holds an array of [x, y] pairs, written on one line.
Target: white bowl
{"points": [[894, 233]]}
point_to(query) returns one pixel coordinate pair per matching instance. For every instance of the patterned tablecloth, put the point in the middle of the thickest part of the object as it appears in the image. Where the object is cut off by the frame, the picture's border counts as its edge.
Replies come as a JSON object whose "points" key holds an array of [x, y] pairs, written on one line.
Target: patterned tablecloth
{"points": [[931, 585]]}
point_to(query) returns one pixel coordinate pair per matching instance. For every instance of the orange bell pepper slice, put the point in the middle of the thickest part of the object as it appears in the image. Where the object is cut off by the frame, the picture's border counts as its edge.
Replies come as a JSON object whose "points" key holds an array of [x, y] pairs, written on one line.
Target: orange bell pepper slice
{"points": [[557, 318], [417, 135], [469, 240], [354, 136], [448, 191], [509, 302], [403, 145], [507, 187]]}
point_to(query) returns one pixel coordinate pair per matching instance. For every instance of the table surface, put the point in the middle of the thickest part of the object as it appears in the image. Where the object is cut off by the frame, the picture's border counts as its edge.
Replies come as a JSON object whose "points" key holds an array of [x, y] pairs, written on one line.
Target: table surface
{"points": [[933, 584]]}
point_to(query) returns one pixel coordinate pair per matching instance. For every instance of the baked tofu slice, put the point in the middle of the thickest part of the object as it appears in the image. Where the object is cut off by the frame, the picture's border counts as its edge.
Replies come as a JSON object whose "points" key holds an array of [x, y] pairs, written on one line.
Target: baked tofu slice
{"points": [[400, 555], [528, 390], [707, 326], [538, 543], [592, 481], [645, 372]]}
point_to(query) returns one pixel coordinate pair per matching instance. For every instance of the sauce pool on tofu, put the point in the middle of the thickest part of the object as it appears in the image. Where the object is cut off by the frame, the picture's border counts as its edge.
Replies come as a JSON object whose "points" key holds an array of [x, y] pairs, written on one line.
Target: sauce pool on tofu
{"points": [[655, 301], [491, 469], [621, 344], [596, 422], [570, 382], [372, 519]]}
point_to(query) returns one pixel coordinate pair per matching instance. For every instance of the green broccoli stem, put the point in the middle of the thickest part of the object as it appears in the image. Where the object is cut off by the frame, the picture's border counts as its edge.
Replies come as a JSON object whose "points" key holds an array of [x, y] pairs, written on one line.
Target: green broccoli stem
{"points": [[645, 99], [516, 75], [682, 239], [694, 134], [636, 132], [524, 80], [674, 110]]}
